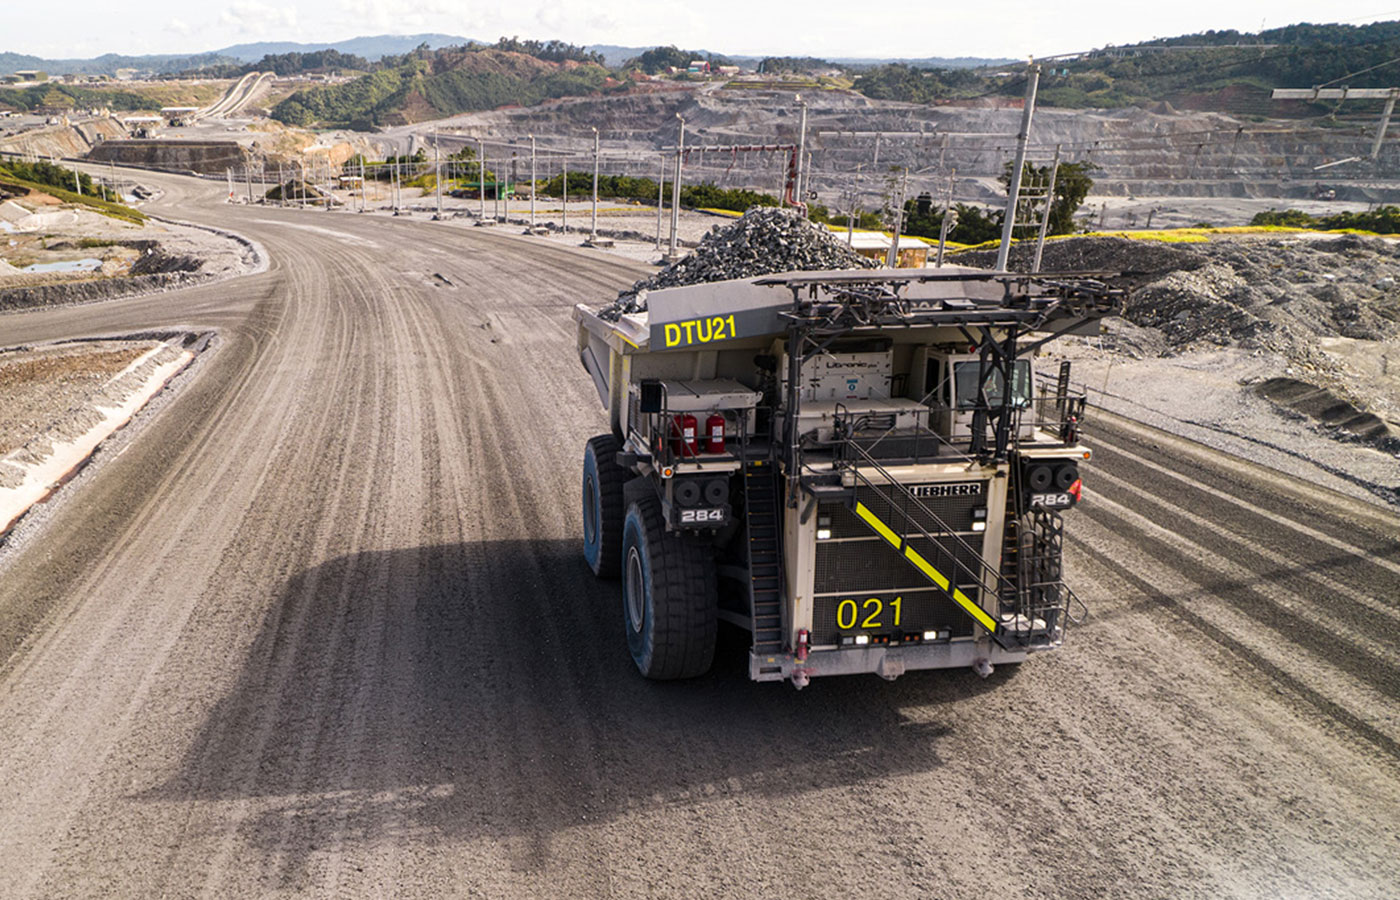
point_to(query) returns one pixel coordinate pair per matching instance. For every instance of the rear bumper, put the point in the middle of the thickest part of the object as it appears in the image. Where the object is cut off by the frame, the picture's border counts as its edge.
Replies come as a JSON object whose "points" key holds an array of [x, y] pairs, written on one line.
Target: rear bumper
{"points": [[888, 662]]}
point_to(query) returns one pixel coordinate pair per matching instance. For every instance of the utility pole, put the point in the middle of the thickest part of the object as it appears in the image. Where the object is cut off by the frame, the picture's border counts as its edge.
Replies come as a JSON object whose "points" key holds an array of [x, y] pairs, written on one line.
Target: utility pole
{"points": [[892, 256], [437, 173], [593, 224], [671, 256], [949, 216], [851, 220], [534, 182], [1344, 93], [660, 199], [1045, 216], [248, 181], [1013, 191], [481, 175], [77, 185], [801, 150], [564, 176]]}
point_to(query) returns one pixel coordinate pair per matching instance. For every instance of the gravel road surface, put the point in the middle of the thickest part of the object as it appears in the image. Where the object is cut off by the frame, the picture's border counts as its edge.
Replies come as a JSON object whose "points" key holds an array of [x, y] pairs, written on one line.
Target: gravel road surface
{"points": [[324, 629]]}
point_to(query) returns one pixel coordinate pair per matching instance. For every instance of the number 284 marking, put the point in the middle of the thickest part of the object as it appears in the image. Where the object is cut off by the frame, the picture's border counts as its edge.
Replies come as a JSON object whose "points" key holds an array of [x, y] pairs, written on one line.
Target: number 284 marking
{"points": [[870, 613]]}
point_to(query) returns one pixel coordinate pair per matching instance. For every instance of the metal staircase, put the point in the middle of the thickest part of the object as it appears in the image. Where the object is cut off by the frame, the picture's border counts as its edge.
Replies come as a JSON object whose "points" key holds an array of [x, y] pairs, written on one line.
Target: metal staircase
{"points": [[764, 555]]}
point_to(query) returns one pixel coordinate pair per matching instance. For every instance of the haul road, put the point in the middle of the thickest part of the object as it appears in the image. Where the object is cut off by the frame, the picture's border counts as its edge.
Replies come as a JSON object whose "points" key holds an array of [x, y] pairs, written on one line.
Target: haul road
{"points": [[323, 627]]}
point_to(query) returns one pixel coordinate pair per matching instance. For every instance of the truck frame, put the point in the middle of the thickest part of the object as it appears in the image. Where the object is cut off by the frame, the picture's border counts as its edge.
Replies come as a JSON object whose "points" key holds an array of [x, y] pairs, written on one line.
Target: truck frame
{"points": [[879, 482]]}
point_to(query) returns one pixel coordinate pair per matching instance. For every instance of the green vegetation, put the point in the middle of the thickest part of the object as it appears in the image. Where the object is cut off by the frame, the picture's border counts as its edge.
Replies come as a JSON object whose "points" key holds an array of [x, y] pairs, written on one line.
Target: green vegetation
{"points": [[549, 51], [800, 64], [73, 96], [49, 179], [426, 84], [643, 190], [659, 59], [898, 81], [1213, 74], [42, 172], [1381, 220]]}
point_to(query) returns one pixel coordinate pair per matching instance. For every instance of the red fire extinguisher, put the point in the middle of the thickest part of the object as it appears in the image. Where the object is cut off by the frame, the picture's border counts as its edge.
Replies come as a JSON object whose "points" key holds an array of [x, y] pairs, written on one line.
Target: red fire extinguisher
{"points": [[714, 433], [684, 441]]}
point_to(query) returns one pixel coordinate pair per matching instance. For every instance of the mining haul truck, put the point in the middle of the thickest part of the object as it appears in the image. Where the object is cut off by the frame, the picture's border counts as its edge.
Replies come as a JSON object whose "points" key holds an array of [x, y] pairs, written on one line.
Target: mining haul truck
{"points": [[860, 468]]}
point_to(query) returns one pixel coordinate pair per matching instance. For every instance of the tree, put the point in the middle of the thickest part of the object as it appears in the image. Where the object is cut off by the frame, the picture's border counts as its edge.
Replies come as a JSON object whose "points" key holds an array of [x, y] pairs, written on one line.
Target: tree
{"points": [[1072, 185], [659, 59]]}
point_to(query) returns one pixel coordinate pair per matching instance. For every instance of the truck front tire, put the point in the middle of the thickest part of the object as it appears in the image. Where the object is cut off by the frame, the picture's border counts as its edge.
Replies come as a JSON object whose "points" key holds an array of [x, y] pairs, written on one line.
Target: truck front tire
{"points": [[669, 596], [603, 507]]}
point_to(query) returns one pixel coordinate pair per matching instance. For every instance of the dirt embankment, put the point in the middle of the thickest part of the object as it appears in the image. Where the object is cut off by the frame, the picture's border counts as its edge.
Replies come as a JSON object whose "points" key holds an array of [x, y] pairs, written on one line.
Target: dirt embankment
{"points": [[60, 141], [159, 267]]}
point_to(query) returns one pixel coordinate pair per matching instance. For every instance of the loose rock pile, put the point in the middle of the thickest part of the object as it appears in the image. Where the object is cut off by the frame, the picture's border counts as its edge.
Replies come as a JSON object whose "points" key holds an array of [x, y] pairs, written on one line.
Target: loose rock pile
{"points": [[1279, 294], [764, 241]]}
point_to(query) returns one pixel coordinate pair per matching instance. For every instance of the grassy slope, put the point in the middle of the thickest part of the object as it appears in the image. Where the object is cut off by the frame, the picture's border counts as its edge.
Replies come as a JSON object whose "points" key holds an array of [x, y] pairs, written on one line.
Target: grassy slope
{"points": [[107, 208]]}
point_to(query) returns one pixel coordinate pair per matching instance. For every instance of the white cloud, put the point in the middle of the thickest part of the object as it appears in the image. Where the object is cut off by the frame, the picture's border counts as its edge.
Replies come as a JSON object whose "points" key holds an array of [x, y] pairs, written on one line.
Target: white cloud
{"points": [[253, 17]]}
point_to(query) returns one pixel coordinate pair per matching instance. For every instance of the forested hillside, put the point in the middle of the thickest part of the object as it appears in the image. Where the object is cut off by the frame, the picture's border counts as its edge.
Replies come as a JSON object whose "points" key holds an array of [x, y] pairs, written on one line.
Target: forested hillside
{"points": [[1212, 70], [429, 84]]}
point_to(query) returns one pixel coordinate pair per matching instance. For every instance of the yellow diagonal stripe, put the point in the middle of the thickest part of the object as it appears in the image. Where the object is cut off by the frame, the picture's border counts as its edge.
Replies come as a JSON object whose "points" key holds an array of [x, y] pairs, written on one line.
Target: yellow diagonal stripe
{"points": [[962, 599], [874, 522], [924, 566]]}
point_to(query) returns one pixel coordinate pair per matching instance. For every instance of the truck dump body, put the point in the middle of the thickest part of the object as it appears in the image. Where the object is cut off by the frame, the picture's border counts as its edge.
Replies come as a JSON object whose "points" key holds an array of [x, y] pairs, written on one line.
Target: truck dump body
{"points": [[885, 489]]}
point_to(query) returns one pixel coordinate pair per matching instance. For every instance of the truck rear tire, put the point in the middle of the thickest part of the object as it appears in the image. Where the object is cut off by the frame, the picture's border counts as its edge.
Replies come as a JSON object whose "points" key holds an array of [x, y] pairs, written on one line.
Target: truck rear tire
{"points": [[669, 596], [603, 506]]}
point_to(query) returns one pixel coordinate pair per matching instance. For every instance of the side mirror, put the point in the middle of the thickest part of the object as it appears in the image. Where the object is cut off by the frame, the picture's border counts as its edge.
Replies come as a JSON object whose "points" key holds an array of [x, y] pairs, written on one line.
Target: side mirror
{"points": [[651, 396]]}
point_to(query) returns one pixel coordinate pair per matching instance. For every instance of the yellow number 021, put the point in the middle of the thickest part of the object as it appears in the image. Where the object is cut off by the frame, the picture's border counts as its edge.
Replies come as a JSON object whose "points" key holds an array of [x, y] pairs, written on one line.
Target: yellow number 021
{"points": [[848, 612]]}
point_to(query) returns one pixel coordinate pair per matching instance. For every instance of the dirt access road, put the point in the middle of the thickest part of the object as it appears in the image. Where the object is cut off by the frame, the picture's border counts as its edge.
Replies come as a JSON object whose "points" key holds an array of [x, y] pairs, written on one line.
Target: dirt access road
{"points": [[324, 629]]}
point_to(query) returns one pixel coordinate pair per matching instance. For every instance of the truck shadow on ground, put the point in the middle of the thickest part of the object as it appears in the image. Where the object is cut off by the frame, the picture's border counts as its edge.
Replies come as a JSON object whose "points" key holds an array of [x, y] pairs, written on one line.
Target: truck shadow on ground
{"points": [[485, 691]]}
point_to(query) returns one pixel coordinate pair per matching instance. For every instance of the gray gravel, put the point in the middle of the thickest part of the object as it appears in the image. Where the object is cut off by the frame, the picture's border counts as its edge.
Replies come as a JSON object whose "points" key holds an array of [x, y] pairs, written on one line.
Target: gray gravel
{"points": [[763, 241]]}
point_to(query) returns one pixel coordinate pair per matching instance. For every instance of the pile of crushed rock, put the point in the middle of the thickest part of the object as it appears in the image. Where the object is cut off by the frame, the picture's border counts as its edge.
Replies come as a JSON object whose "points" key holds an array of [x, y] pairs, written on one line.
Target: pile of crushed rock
{"points": [[763, 241], [1280, 294]]}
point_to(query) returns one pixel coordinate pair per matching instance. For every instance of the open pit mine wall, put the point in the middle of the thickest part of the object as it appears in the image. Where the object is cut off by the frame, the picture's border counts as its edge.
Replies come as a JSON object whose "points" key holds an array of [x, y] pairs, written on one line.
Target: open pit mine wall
{"points": [[202, 157], [1139, 152], [60, 141]]}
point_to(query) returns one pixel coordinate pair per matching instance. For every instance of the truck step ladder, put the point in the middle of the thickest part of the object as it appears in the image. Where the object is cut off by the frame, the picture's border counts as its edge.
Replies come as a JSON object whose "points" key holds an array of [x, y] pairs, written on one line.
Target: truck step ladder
{"points": [[765, 556]]}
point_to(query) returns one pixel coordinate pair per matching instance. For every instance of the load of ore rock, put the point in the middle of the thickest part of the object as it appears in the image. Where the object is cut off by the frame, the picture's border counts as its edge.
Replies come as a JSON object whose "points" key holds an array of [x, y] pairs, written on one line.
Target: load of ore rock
{"points": [[763, 241]]}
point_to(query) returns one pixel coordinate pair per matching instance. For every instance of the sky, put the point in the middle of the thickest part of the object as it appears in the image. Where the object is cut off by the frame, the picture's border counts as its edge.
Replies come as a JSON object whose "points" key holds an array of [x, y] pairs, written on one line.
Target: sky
{"points": [[824, 28]]}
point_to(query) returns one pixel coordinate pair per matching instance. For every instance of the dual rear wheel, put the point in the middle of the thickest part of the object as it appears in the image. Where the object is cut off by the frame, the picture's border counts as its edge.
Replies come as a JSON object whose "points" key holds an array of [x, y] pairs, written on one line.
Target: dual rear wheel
{"points": [[669, 591]]}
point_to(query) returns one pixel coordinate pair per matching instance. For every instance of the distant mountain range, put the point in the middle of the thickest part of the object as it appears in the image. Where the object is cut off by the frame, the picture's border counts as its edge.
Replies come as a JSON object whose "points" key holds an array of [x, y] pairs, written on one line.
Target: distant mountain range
{"points": [[372, 48]]}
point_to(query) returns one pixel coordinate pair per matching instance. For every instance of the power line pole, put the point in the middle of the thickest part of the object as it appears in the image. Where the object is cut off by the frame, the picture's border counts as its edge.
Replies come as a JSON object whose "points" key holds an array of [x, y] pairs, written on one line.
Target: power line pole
{"points": [[564, 176], [534, 182], [1013, 191], [481, 175], [949, 216], [1387, 94], [593, 224], [676, 191], [660, 194], [801, 151], [1045, 217], [437, 172], [892, 255]]}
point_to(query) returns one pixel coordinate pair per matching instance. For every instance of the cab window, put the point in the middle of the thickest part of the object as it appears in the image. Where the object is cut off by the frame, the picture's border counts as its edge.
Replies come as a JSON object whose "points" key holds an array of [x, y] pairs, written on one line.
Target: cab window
{"points": [[965, 378]]}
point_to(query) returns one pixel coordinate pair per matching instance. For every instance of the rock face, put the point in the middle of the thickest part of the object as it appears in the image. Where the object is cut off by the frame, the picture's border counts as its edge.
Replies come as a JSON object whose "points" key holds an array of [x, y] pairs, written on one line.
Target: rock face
{"points": [[763, 241]]}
